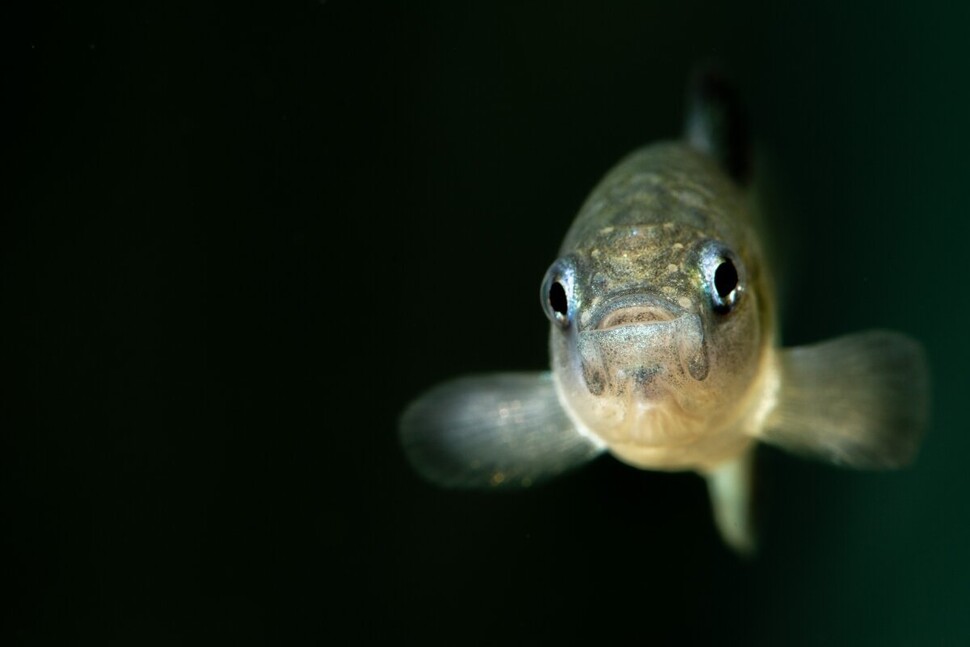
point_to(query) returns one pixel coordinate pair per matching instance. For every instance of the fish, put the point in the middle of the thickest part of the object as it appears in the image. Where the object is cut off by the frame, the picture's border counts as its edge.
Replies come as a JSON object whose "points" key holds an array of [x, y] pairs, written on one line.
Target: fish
{"points": [[665, 349]]}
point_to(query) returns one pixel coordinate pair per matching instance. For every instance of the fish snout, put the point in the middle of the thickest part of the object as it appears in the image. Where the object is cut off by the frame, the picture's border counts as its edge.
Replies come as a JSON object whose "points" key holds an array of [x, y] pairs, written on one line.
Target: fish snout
{"points": [[639, 349]]}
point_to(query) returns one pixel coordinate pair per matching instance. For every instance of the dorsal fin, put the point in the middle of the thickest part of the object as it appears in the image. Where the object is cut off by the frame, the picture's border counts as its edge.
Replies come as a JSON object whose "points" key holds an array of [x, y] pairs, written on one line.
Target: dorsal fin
{"points": [[716, 122]]}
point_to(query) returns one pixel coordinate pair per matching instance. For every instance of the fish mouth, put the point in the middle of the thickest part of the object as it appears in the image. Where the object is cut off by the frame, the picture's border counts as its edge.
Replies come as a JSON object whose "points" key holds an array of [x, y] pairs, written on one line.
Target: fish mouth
{"points": [[637, 342], [634, 309], [635, 315]]}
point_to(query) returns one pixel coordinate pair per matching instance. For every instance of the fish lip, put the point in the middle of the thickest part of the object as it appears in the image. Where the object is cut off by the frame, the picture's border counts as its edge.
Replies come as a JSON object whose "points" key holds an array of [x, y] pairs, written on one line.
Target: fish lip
{"points": [[632, 309]]}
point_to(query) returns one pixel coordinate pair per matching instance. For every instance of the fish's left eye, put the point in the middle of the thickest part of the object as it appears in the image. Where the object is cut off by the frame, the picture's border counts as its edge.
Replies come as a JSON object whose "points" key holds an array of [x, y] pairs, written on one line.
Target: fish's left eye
{"points": [[722, 271], [725, 278]]}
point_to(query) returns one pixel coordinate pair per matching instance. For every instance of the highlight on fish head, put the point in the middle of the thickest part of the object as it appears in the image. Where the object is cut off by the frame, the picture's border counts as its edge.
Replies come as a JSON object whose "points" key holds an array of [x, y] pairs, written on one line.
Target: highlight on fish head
{"points": [[660, 316]]}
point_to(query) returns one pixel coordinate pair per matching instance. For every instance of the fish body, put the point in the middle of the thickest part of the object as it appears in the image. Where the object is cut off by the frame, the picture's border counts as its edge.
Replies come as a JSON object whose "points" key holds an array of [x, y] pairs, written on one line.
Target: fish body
{"points": [[664, 348], [648, 356]]}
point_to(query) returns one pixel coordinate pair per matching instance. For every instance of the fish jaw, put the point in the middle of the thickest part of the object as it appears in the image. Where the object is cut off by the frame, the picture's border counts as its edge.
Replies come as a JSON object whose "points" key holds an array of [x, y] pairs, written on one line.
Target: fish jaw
{"points": [[639, 360], [621, 378]]}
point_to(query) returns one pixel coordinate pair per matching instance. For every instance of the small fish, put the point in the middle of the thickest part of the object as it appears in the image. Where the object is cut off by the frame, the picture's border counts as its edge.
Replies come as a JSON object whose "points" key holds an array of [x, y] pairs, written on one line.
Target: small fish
{"points": [[664, 347]]}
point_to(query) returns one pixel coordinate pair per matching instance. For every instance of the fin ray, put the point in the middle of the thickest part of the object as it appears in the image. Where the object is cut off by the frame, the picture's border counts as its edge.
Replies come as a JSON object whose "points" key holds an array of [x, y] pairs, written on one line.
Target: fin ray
{"points": [[731, 487], [716, 122], [860, 400], [493, 430]]}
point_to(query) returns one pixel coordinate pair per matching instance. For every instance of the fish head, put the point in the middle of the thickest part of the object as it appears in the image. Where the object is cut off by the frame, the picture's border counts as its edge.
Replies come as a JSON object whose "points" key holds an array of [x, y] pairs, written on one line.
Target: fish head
{"points": [[657, 331]]}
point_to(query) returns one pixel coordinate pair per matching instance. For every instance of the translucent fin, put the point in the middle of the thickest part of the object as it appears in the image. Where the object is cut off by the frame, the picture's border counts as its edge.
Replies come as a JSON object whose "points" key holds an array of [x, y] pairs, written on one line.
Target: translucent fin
{"points": [[731, 488], [494, 430], [860, 401]]}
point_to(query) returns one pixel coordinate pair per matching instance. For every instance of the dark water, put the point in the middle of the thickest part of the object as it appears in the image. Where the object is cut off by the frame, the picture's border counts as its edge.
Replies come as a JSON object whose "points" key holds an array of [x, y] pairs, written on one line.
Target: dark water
{"points": [[209, 209]]}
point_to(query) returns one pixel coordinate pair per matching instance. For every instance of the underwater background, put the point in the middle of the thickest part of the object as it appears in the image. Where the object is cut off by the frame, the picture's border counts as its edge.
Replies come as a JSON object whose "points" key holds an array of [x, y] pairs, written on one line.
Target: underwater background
{"points": [[238, 238]]}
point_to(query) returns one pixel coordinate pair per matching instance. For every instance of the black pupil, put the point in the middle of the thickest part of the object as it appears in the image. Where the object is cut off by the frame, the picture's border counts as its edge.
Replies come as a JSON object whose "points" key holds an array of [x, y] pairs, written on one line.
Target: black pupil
{"points": [[557, 299], [725, 278]]}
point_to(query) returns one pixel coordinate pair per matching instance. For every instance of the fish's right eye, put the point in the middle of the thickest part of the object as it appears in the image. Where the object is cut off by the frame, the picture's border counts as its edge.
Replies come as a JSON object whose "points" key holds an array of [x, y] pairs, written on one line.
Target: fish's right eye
{"points": [[558, 301], [557, 294]]}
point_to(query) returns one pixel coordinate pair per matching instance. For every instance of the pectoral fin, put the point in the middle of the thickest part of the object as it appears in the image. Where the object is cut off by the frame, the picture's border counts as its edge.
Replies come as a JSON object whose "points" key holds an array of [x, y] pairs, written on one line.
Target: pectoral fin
{"points": [[494, 430], [861, 400]]}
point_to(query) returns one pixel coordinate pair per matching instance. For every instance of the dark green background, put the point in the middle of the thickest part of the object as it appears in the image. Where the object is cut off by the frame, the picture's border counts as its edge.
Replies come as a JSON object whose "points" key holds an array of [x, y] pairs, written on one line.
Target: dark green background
{"points": [[209, 208]]}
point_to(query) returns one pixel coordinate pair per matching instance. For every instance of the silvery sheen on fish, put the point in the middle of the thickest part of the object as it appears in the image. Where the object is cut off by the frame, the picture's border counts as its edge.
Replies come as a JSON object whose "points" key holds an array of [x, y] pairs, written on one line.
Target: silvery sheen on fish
{"points": [[665, 351]]}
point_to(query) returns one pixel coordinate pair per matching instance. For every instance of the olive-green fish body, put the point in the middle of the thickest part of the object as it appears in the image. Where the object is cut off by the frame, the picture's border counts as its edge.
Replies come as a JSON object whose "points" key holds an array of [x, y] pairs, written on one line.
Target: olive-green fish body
{"points": [[664, 350], [646, 361]]}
